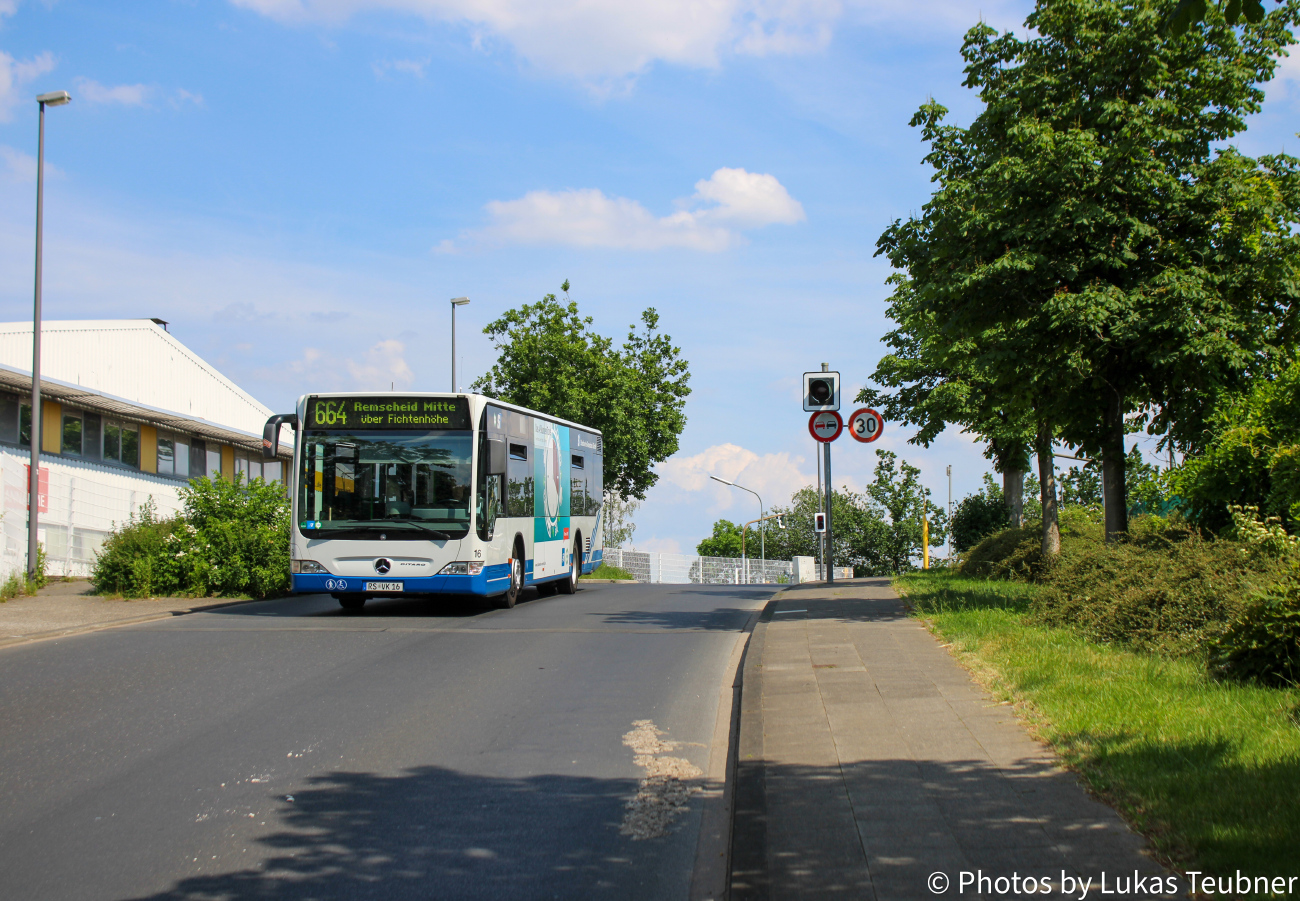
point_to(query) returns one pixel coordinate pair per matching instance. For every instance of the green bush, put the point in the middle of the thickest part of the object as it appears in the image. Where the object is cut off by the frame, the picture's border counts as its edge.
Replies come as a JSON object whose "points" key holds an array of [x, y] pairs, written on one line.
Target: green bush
{"points": [[1167, 590], [606, 571], [1263, 643], [979, 515], [231, 538]]}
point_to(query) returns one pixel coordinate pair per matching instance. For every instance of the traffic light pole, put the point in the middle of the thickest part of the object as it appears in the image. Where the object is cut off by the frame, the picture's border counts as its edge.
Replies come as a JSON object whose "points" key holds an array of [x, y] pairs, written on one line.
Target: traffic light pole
{"points": [[829, 555]]}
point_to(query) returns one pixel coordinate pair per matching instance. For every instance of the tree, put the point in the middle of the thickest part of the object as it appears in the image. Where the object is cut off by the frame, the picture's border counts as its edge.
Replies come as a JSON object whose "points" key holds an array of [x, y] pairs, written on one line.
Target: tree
{"points": [[938, 382], [1253, 458], [550, 360], [725, 541], [1188, 12], [877, 532], [1100, 267], [618, 512], [978, 515]]}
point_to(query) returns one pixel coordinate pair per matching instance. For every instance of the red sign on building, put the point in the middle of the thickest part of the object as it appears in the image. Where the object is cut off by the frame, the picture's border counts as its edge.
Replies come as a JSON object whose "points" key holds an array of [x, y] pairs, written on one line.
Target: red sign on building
{"points": [[42, 489]]}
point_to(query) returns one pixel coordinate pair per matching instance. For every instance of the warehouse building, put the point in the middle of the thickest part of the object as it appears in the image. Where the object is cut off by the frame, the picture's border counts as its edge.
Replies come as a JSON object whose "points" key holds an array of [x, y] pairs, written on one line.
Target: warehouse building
{"points": [[128, 414]]}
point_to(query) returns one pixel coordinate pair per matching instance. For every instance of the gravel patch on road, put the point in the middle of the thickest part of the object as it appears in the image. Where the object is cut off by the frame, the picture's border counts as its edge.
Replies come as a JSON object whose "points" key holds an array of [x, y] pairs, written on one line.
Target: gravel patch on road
{"points": [[663, 792]]}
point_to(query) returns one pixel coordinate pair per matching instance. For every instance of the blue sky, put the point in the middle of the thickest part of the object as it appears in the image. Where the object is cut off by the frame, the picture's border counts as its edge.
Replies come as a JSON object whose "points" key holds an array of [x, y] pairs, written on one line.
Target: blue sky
{"points": [[299, 186]]}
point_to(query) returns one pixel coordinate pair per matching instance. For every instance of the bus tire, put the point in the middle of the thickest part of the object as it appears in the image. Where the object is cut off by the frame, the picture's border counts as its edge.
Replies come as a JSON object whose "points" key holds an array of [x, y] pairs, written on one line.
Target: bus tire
{"points": [[570, 585], [511, 597], [352, 602]]}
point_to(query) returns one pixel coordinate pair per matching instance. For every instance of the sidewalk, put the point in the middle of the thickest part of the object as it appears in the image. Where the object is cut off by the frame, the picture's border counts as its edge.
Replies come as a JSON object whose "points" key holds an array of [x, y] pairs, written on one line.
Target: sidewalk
{"points": [[869, 760], [64, 608]]}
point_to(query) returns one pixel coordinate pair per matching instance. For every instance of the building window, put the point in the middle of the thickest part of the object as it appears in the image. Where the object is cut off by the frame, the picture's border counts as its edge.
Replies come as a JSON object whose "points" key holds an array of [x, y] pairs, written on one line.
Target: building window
{"points": [[214, 460], [182, 456], [25, 425], [122, 443], [271, 470], [9, 418], [166, 456], [91, 435], [198, 458], [72, 434]]}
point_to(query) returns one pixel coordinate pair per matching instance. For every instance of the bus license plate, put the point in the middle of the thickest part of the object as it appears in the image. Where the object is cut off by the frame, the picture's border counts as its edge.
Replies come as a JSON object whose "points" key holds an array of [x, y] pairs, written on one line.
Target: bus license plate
{"points": [[383, 586]]}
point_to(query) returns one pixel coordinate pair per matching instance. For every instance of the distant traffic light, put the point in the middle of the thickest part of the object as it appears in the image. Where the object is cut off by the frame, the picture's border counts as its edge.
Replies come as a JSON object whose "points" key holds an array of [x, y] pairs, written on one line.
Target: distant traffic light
{"points": [[819, 522], [821, 391]]}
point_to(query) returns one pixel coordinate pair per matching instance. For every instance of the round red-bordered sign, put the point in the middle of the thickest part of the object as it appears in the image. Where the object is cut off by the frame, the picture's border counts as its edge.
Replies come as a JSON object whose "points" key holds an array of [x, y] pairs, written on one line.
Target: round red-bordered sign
{"points": [[825, 426], [866, 425]]}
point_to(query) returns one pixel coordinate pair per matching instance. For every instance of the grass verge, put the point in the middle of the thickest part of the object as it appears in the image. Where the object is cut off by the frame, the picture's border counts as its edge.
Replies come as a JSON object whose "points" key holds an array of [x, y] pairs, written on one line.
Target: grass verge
{"points": [[1208, 771], [605, 571]]}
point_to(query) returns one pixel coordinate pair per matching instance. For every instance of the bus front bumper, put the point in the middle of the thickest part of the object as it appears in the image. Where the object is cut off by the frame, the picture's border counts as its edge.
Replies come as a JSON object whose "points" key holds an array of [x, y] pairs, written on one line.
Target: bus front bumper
{"points": [[493, 580]]}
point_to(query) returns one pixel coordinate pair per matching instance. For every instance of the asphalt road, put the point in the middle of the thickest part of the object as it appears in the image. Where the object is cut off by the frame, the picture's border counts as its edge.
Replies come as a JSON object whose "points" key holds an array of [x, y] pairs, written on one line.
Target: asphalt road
{"points": [[421, 749]]}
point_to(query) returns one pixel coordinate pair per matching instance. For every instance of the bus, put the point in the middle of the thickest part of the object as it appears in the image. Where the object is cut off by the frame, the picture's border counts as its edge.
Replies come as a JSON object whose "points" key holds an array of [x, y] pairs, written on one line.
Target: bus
{"points": [[434, 494]]}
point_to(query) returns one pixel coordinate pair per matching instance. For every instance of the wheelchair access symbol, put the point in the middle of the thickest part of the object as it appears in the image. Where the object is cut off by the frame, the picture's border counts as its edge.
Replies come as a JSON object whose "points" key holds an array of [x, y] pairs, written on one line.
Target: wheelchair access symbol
{"points": [[336, 584]]}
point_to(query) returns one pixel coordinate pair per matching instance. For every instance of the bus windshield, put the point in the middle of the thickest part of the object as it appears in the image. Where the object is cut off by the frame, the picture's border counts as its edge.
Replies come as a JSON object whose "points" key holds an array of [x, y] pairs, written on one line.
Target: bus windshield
{"points": [[406, 484]]}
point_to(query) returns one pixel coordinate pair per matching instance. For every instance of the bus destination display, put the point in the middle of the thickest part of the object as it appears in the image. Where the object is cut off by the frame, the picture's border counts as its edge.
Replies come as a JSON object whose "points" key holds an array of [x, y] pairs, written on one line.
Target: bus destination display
{"points": [[388, 412]]}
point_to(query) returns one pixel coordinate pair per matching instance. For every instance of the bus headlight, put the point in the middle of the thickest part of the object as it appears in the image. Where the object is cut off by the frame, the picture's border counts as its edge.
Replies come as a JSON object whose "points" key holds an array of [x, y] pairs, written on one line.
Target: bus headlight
{"points": [[461, 568], [307, 567]]}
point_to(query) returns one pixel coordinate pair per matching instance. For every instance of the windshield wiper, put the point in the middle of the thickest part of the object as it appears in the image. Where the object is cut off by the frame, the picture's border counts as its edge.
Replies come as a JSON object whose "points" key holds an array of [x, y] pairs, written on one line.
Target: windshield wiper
{"points": [[436, 533]]}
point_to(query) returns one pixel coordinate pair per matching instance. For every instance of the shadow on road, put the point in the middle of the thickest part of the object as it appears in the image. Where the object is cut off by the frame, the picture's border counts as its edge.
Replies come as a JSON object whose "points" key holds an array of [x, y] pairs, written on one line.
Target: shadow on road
{"points": [[436, 833], [723, 619]]}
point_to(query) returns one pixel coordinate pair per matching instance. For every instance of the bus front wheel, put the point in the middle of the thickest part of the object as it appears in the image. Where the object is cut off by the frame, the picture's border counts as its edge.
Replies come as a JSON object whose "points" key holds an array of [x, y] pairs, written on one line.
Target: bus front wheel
{"points": [[511, 597], [570, 585]]}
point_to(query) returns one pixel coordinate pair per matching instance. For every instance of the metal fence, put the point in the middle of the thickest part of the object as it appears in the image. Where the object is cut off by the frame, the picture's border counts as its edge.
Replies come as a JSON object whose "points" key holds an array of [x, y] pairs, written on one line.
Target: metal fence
{"points": [[84, 502], [683, 569]]}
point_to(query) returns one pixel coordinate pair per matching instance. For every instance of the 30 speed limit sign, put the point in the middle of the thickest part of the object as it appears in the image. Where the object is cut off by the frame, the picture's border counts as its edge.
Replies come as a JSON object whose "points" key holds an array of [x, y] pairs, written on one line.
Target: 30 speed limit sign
{"points": [[865, 424]]}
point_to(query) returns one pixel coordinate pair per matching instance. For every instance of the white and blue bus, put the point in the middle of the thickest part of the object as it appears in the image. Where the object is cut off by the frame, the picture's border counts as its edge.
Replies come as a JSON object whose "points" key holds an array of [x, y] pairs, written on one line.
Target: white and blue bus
{"points": [[401, 494]]}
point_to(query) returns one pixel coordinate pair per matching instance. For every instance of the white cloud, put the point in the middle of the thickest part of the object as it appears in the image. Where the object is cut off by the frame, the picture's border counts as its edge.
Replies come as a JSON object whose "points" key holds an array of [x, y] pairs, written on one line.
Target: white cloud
{"points": [[16, 75], [747, 199], [383, 368], [587, 217], [8, 7], [182, 96], [776, 477], [413, 67], [658, 545], [126, 94], [603, 41]]}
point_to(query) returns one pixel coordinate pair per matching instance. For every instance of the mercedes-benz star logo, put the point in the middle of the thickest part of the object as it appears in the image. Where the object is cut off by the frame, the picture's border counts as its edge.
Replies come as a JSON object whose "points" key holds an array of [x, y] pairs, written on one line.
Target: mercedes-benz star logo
{"points": [[382, 566]]}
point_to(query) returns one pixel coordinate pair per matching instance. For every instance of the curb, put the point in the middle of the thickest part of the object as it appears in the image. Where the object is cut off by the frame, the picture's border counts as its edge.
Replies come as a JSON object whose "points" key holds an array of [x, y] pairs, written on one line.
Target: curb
{"points": [[749, 877], [711, 875], [586, 581], [114, 623]]}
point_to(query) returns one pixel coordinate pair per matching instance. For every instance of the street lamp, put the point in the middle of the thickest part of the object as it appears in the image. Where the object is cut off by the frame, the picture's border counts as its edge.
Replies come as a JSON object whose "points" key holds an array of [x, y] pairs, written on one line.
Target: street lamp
{"points": [[762, 537], [455, 302], [54, 98]]}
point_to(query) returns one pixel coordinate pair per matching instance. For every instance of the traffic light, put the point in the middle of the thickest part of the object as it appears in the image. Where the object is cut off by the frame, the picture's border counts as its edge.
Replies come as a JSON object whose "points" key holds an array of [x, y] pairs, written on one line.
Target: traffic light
{"points": [[819, 523], [780, 522], [821, 391]]}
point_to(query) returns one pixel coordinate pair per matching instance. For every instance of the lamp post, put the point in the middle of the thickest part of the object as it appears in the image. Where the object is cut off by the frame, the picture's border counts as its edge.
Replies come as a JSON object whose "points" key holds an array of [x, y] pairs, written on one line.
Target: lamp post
{"points": [[455, 302], [762, 538], [54, 98], [950, 513]]}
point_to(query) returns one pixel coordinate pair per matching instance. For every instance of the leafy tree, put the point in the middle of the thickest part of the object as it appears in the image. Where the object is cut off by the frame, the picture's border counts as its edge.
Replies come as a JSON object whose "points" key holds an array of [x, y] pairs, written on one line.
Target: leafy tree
{"points": [[978, 515], [937, 381], [1096, 263], [1253, 460], [1188, 12], [877, 532], [550, 360], [1081, 486], [618, 519], [725, 541]]}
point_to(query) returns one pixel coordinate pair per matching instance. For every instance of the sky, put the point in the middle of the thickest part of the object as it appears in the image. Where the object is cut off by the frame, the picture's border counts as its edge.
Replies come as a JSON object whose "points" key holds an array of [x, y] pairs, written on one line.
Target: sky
{"points": [[300, 186]]}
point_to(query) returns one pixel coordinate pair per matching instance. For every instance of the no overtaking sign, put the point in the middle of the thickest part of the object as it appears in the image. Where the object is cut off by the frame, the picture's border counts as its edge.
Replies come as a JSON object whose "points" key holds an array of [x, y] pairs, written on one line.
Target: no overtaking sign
{"points": [[825, 426]]}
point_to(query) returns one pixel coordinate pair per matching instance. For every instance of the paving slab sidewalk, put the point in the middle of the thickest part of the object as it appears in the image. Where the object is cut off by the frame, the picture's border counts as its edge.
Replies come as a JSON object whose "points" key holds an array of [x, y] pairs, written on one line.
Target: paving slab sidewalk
{"points": [[869, 760], [66, 608]]}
